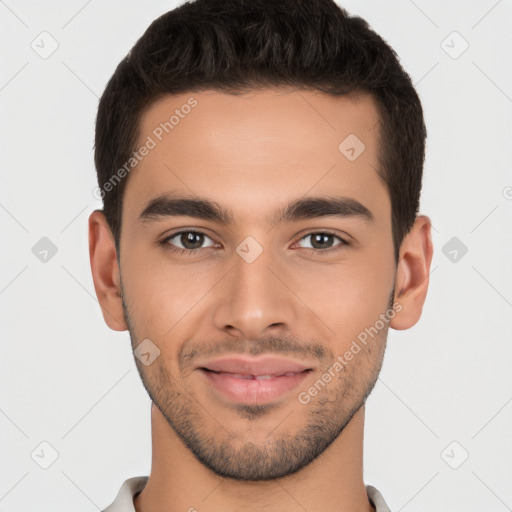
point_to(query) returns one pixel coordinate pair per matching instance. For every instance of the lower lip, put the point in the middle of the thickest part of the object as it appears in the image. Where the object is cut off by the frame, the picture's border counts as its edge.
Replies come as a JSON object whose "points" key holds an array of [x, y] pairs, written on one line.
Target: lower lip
{"points": [[253, 391]]}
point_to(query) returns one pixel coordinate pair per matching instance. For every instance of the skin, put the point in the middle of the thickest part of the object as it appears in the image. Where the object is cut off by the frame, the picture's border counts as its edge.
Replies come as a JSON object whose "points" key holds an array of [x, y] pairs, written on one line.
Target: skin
{"points": [[253, 154]]}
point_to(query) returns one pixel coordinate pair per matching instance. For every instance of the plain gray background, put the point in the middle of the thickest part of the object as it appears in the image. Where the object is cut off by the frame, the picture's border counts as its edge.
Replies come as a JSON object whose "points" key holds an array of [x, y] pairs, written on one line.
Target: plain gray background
{"points": [[439, 420]]}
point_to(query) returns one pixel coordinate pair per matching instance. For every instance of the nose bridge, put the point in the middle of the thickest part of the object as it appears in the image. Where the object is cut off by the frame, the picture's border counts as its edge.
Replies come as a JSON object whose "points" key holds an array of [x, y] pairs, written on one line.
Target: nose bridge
{"points": [[254, 298]]}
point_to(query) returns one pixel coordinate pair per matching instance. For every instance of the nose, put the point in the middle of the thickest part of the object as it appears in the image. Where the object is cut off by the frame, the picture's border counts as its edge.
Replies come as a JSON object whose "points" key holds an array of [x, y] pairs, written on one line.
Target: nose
{"points": [[255, 299]]}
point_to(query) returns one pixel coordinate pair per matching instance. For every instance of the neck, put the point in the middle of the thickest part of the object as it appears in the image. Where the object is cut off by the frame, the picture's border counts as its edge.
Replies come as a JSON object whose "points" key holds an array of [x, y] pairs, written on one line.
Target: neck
{"points": [[179, 482]]}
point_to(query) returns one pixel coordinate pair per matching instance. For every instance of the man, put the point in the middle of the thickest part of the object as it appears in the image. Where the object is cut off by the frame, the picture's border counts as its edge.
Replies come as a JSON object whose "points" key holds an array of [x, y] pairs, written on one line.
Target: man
{"points": [[260, 165]]}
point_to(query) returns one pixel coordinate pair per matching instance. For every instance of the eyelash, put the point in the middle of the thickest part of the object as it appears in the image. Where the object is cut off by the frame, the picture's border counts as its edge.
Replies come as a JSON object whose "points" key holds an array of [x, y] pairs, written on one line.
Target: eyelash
{"points": [[191, 252]]}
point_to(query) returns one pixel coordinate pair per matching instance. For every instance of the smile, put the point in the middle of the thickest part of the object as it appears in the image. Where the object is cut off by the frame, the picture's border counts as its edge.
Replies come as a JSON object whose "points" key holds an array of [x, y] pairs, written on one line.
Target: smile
{"points": [[253, 389]]}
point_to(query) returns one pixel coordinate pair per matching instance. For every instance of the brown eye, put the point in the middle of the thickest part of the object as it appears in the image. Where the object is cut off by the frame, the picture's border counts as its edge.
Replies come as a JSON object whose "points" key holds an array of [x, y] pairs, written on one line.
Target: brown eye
{"points": [[323, 241], [188, 240]]}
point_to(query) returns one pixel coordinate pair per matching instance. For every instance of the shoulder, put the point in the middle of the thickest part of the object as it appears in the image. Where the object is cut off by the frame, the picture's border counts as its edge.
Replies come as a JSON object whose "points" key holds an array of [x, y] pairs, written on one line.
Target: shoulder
{"points": [[376, 499], [124, 499]]}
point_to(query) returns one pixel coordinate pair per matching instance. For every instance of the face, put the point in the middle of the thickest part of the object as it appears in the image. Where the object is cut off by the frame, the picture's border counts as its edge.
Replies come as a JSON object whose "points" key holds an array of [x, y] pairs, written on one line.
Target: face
{"points": [[268, 240]]}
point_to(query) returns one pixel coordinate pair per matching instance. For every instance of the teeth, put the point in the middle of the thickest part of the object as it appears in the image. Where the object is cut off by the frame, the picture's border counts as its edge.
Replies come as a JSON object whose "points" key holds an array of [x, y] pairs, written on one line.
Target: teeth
{"points": [[259, 377]]}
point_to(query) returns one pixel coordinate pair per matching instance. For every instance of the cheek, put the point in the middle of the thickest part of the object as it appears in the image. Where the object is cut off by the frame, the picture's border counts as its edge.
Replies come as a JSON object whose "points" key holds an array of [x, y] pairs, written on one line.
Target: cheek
{"points": [[159, 293], [349, 298]]}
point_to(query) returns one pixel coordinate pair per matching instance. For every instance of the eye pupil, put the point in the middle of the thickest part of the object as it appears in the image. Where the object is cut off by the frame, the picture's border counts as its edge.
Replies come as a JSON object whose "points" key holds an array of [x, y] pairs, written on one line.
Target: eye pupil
{"points": [[195, 239], [321, 237]]}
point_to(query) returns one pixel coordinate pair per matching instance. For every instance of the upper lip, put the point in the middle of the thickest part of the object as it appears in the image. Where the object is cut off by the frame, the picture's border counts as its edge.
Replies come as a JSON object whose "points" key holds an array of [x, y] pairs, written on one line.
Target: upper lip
{"points": [[267, 365]]}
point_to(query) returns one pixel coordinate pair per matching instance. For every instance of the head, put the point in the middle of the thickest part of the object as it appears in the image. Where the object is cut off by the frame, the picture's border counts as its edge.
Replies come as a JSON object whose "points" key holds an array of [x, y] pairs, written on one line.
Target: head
{"points": [[290, 142]]}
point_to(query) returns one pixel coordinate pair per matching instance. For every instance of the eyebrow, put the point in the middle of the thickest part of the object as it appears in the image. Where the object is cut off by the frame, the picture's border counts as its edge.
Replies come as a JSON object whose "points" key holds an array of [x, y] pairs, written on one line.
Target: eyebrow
{"points": [[168, 205]]}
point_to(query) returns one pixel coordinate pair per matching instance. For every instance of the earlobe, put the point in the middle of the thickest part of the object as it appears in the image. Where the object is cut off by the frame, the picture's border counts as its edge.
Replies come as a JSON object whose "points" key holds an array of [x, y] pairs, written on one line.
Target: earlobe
{"points": [[412, 277], [105, 271]]}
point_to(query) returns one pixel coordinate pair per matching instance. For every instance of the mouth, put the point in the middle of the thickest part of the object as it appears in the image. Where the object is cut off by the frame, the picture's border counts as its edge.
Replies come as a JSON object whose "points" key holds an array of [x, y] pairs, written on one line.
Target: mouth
{"points": [[252, 388], [257, 377], [255, 367]]}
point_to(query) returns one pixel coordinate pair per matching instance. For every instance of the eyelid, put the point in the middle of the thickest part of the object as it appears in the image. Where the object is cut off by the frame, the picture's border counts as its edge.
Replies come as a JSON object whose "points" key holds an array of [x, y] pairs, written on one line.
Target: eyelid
{"points": [[187, 230], [343, 241]]}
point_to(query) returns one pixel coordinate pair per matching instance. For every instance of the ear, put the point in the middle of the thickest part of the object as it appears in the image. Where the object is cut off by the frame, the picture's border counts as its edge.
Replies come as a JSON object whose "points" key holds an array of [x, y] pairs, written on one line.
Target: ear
{"points": [[412, 276], [105, 271]]}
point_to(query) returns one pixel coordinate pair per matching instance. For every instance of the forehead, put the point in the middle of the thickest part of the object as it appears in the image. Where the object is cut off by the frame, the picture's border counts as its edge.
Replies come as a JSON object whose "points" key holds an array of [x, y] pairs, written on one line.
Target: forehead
{"points": [[260, 148]]}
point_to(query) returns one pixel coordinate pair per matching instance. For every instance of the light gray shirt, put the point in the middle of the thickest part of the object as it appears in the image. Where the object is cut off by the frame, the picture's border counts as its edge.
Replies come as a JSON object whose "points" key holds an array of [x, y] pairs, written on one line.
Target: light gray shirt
{"points": [[133, 486]]}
